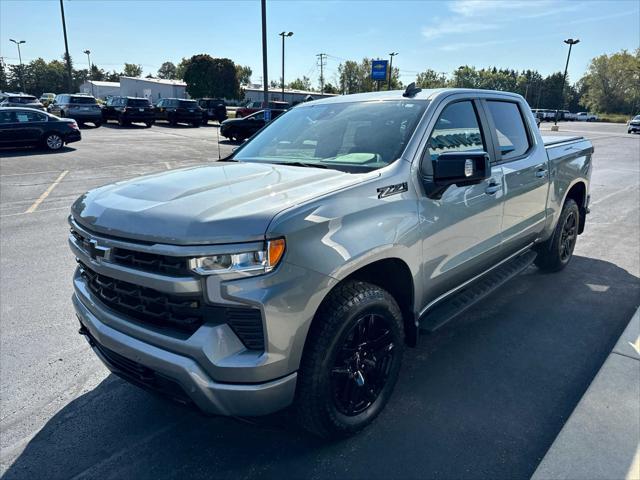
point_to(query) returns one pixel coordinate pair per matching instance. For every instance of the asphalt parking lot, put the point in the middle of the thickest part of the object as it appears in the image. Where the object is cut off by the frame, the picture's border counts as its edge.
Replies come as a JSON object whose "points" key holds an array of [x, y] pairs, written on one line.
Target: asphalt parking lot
{"points": [[484, 397]]}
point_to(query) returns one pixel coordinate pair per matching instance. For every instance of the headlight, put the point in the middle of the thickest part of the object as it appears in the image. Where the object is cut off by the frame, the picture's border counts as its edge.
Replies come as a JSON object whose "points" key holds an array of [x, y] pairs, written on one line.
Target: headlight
{"points": [[256, 262]]}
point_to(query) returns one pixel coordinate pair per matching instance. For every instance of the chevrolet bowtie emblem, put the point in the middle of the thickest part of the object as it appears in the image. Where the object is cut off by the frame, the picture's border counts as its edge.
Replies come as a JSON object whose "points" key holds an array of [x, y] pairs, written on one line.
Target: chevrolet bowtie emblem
{"points": [[96, 251]]}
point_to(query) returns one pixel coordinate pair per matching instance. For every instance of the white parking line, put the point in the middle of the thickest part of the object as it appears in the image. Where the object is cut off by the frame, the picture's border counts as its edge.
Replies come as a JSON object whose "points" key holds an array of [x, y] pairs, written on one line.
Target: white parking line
{"points": [[46, 193]]}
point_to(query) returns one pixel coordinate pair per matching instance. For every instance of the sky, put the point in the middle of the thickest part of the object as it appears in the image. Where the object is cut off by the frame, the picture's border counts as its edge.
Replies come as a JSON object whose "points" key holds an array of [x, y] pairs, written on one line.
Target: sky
{"points": [[441, 35]]}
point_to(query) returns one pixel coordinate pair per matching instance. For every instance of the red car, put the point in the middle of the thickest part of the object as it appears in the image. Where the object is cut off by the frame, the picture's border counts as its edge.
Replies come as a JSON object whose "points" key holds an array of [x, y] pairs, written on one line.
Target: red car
{"points": [[253, 107]]}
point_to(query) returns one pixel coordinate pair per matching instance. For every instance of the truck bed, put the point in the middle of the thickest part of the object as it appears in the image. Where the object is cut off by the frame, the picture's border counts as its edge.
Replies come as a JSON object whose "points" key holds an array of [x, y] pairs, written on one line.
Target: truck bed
{"points": [[566, 147]]}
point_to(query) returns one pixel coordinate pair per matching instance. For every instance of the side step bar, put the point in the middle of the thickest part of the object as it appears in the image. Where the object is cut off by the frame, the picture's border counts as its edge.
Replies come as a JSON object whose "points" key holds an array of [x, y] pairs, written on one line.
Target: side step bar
{"points": [[452, 306]]}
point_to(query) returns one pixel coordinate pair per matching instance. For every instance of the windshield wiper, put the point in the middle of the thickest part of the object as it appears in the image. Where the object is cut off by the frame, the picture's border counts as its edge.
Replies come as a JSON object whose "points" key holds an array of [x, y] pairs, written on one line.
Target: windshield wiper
{"points": [[302, 164]]}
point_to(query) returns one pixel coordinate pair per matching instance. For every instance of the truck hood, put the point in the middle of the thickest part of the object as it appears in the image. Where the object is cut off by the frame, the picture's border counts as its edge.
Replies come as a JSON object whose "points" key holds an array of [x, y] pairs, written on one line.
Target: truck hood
{"points": [[223, 203]]}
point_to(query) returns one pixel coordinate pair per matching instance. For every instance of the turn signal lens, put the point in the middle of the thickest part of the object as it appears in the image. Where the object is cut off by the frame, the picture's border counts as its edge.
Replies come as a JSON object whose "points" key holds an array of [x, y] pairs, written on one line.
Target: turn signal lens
{"points": [[275, 252]]}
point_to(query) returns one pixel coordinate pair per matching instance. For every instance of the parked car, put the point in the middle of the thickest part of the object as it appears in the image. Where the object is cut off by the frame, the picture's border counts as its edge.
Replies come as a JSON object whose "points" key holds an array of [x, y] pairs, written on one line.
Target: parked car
{"points": [[47, 98], [253, 107], [239, 129], [21, 100], [566, 115], [213, 109], [586, 117], [634, 125], [177, 110], [128, 110], [81, 107], [299, 270], [27, 126]]}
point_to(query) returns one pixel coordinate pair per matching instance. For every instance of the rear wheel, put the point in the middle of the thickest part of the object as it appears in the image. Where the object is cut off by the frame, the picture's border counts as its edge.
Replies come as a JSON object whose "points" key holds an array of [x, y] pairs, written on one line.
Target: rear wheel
{"points": [[122, 122], [195, 124], [555, 253], [149, 124], [351, 361], [173, 121], [53, 141], [97, 124]]}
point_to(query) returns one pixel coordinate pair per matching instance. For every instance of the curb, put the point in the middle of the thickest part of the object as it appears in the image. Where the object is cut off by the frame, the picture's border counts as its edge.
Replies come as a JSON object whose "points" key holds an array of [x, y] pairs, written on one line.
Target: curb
{"points": [[601, 438]]}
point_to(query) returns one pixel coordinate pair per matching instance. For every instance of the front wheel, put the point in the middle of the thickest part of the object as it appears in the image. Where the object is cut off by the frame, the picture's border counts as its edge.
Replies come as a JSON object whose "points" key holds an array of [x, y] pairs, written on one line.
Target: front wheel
{"points": [[351, 360], [53, 141], [555, 253]]}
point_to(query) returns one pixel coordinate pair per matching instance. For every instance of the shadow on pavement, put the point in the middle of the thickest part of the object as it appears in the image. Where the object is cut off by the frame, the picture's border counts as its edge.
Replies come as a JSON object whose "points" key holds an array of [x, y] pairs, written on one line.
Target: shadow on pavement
{"points": [[29, 151], [484, 397]]}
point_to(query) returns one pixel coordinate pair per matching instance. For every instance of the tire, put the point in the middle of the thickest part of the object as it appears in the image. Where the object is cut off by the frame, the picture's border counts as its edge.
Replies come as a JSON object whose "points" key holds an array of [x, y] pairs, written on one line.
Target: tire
{"points": [[173, 121], [149, 124], [556, 253], [53, 141], [342, 388], [195, 124], [122, 122], [205, 121], [97, 124]]}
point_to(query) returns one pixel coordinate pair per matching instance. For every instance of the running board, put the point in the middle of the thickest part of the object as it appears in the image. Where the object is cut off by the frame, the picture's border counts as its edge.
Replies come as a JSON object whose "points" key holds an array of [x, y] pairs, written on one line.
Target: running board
{"points": [[452, 306]]}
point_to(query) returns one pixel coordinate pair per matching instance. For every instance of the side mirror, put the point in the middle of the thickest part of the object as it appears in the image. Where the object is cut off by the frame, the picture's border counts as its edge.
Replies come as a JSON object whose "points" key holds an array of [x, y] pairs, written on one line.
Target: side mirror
{"points": [[453, 168]]}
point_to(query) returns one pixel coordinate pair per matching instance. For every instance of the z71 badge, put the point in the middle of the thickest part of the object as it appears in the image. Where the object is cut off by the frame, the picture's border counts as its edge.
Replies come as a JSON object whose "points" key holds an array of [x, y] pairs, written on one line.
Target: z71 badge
{"points": [[392, 190]]}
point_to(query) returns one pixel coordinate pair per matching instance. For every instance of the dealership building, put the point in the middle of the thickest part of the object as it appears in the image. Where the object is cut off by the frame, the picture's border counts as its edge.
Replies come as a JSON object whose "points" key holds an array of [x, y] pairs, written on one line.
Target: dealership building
{"points": [[152, 88]]}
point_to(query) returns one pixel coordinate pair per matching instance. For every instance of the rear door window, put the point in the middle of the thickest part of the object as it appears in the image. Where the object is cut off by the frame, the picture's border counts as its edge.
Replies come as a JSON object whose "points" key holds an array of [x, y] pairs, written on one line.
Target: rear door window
{"points": [[513, 140], [7, 117]]}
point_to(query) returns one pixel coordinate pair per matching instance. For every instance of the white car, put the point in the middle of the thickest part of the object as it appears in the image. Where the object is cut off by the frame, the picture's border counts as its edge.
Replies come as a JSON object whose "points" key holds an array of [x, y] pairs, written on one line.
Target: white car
{"points": [[586, 117]]}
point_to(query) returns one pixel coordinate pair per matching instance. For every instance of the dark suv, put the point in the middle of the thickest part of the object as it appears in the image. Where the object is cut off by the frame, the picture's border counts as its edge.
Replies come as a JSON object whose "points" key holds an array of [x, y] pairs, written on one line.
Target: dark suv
{"points": [[128, 110], [178, 110], [82, 108], [213, 109]]}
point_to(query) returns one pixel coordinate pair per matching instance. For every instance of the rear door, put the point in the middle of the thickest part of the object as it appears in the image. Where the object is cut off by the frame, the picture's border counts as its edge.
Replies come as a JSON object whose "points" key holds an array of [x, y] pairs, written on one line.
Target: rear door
{"points": [[525, 167], [9, 128], [461, 232]]}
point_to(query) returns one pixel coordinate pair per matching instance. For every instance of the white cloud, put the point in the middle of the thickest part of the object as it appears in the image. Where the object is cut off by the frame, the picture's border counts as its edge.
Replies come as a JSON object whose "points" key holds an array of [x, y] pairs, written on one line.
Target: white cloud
{"points": [[445, 27]]}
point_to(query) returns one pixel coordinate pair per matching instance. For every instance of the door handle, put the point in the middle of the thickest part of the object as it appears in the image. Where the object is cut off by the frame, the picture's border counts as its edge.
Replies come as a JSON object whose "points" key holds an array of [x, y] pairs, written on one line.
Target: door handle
{"points": [[541, 173], [492, 188]]}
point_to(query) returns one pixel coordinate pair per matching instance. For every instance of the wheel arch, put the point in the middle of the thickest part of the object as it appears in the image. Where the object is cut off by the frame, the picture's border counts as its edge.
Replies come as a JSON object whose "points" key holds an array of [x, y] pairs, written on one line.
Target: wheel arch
{"points": [[578, 193]]}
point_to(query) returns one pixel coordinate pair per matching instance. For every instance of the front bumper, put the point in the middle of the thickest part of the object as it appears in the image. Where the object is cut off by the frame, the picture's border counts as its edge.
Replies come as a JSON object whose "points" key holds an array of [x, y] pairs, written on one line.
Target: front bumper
{"points": [[178, 376], [85, 116], [634, 128]]}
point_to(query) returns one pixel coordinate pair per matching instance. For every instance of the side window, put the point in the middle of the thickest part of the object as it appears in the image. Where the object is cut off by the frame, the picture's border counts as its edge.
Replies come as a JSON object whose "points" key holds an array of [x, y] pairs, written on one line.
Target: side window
{"points": [[7, 117], [512, 134], [457, 130]]}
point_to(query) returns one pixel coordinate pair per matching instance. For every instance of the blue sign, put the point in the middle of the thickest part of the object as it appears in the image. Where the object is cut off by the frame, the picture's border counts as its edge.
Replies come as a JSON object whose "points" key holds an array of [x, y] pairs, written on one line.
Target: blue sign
{"points": [[379, 69], [267, 115]]}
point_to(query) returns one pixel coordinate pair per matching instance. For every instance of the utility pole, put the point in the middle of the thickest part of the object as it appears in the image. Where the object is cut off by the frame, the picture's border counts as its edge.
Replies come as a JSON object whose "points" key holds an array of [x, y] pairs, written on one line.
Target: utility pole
{"points": [[283, 35], [392, 54], [88, 53], [321, 61], [571, 42], [66, 49], [265, 76], [18, 43]]}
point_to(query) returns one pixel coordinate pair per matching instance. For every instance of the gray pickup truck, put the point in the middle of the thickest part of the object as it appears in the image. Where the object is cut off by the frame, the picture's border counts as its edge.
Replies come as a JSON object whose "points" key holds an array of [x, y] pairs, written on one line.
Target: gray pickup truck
{"points": [[297, 270]]}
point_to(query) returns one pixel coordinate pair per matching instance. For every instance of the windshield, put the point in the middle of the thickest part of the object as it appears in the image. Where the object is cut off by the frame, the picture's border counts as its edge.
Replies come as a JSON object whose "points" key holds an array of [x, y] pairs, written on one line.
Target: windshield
{"points": [[22, 99], [187, 104], [637, 117], [357, 136], [138, 102], [87, 100]]}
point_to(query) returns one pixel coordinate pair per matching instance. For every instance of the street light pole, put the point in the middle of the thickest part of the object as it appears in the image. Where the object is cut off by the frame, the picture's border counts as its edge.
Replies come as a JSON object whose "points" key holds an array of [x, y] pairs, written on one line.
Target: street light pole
{"points": [[283, 35], [265, 76], [392, 54], [88, 53], [66, 49], [571, 42], [18, 43]]}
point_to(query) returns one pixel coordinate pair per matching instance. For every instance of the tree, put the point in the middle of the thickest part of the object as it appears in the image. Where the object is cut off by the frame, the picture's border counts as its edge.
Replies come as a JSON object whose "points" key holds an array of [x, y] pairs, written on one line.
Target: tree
{"points": [[244, 74], [431, 79], [303, 83], [167, 71], [611, 83], [113, 76], [97, 74], [329, 88], [349, 75], [132, 70], [181, 68], [3, 76], [211, 77]]}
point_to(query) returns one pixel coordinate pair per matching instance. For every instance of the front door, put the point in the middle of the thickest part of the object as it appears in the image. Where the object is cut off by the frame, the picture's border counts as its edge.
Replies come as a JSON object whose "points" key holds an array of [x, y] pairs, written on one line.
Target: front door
{"points": [[461, 232], [526, 175]]}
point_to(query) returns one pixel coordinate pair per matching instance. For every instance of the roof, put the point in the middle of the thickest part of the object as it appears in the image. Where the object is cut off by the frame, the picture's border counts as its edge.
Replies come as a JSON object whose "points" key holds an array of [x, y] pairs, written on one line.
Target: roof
{"points": [[99, 83], [424, 94], [178, 83], [288, 90]]}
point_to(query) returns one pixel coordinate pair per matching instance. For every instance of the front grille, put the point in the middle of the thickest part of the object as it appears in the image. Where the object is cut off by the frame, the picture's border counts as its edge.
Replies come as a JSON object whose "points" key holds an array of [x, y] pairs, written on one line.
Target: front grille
{"points": [[179, 313], [148, 262]]}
